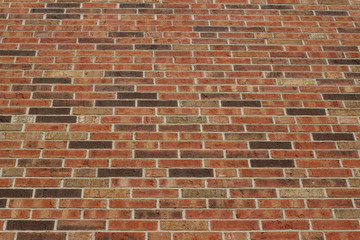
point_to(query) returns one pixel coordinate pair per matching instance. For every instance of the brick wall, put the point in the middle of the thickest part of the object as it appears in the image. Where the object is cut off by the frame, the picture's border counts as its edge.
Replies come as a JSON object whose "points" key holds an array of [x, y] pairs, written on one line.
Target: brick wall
{"points": [[179, 119]]}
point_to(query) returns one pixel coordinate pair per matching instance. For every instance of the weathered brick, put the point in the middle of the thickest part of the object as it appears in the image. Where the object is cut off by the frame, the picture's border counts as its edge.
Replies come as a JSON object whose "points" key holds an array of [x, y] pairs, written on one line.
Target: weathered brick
{"points": [[136, 95], [119, 172], [17, 53], [30, 225], [305, 111], [191, 172], [279, 163], [42, 235], [56, 119], [204, 193], [58, 193], [90, 144], [49, 111], [81, 225], [16, 193], [270, 145], [333, 136], [123, 74]]}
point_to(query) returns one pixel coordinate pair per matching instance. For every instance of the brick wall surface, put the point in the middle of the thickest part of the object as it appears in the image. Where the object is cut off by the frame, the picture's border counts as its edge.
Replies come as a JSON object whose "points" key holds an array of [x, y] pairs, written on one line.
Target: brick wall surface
{"points": [[179, 119]]}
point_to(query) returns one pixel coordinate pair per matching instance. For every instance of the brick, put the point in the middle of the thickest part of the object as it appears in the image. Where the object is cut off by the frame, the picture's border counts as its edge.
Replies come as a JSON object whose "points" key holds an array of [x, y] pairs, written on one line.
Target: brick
{"points": [[333, 136], [126, 34], [16, 193], [56, 119], [270, 145], [203, 193], [57, 193], [210, 29], [17, 53], [234, 225], [52, 80], [63, 5], [283, 163], [49, 111], [192, 172], [30, 225], [305, 111], [155, 154], [157, 103], [90, 144], [331, 13], [183, 225], [123, 74], [81, 225], [125, 172], [136, 5], [241, 103], [117, 235], [136, 95], [44, 235], [152, 47], [158, 214]]}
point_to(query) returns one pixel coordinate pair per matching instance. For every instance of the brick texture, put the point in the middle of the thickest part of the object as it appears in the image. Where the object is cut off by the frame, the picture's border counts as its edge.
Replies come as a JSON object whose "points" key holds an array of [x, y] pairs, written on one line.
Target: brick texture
{"points": [[179, 119]]}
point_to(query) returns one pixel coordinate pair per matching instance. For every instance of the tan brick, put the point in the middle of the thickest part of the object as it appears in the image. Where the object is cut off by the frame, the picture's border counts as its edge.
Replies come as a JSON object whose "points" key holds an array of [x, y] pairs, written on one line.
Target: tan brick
{"points": [[88, 183], [302, 193], [106, 193], [184, 225], [66, 136]]}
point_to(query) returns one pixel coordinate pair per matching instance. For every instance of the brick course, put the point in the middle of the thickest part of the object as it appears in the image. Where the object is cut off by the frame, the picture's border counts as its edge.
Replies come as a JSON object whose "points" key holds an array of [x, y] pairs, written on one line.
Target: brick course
{"points": [[178, 120]]}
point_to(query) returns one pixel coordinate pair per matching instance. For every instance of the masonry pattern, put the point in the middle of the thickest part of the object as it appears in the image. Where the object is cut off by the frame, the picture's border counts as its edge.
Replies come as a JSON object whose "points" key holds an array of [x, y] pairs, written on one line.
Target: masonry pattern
{"points": [[179, 119]]}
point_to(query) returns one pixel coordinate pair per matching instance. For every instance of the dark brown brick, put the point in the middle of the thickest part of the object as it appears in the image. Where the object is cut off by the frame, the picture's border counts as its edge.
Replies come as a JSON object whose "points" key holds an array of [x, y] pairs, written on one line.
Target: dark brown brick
{"points": [[114, 103], [47, 10], [5, 119], [278, 163], [58, 193], [52, 80], [277, 6], [81, 225], [156, 154], [52, 95], [345, 61], [270, 145], [90, 144], [41, 235], [95, 40], [305, 111], [29, 225], [119, 172], [63, 5], [135, 128], [158, 103], [158, 214], [124, 74], [73, 103], [152, 47], [333, 136], [240, 103], [16, 193], [114, 47], [17, 53], [179, 128], [136, 95], [16, 66], [352, 75], [49, 111], [210, 29], [126, 34], [348, 30], [39, 163], [136, 5], [219, 96], [63, 16], [3, 203], [331, 13], [56, 119], [241, 6], [191, 172], [113, 88], [334, 96], [335, 81], [202, 154], [247, 29]]}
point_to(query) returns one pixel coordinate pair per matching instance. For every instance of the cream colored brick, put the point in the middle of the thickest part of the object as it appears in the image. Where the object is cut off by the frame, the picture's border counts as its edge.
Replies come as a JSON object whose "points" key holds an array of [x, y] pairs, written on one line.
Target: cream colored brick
{"points": [[302, 193]]}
